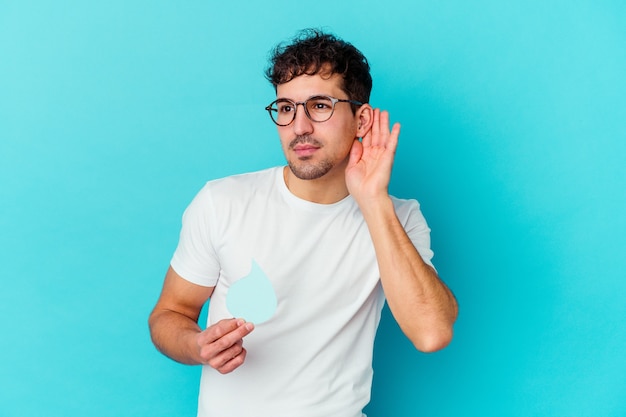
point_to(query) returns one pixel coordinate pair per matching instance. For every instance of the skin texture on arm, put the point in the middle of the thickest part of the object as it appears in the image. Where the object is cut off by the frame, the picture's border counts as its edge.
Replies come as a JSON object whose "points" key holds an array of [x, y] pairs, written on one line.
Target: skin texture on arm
{"points": [[420, 302], [175, 331]]}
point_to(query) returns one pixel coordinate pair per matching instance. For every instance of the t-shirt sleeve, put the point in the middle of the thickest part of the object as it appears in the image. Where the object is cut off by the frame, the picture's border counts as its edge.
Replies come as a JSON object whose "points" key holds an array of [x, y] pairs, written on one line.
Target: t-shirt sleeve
{"points": [[417, 229], [195, 258]]}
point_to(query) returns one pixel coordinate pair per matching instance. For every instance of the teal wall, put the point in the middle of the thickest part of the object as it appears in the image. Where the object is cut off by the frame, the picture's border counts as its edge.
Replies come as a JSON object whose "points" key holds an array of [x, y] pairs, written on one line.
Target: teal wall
{"points": [[113, 114]]}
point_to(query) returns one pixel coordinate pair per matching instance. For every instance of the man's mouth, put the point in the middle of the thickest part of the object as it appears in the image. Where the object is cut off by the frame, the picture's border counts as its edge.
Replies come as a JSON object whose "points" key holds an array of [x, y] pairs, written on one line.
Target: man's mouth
{"points": [[305, 150], [304, 147]]}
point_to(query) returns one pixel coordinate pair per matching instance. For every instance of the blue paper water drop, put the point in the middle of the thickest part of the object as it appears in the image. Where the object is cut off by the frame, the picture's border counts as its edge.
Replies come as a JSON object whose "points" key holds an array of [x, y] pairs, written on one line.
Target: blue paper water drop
{"points": [[252, 297]]}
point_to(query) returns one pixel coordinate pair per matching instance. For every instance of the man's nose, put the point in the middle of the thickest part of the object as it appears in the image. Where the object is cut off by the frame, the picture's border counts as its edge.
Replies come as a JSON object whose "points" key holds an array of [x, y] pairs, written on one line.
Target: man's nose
{"points": [[302, 125]]}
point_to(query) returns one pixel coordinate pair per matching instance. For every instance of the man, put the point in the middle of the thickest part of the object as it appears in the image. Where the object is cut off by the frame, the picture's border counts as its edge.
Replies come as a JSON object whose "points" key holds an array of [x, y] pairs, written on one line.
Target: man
{"points": [[331, 240]]}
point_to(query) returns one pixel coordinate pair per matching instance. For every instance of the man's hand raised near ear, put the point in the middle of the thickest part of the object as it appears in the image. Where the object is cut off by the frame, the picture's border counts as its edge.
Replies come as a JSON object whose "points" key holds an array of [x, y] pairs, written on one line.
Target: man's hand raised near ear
{"points": [[369, 166]]}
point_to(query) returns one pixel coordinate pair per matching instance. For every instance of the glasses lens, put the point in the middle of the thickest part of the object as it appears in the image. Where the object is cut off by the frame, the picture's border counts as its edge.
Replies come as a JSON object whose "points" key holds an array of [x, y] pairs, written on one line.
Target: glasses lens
{"points": [[282, 112], [319, 108]]}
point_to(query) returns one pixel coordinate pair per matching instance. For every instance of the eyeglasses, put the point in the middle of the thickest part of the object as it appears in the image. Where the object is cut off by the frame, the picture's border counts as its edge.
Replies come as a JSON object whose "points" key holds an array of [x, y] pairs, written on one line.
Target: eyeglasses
{"points": [[317, 108]]}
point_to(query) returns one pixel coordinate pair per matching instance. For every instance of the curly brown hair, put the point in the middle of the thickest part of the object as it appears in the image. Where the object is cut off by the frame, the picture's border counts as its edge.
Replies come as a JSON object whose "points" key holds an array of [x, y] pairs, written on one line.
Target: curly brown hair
{"points": [[313, 52]]}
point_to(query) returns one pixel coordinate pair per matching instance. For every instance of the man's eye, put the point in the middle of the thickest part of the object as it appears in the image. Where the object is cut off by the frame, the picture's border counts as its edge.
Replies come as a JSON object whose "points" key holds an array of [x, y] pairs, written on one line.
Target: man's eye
{"points": [[285, 108], [321, 105]]}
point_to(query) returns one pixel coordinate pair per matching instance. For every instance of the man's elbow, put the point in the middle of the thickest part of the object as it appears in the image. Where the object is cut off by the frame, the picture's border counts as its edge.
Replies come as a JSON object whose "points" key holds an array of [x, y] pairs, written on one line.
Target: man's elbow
{"points": [[433, 341]]}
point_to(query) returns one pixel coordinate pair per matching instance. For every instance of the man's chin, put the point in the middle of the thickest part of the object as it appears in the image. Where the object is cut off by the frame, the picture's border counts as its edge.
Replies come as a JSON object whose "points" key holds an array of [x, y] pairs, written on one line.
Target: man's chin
{"points": [[310, 171]]}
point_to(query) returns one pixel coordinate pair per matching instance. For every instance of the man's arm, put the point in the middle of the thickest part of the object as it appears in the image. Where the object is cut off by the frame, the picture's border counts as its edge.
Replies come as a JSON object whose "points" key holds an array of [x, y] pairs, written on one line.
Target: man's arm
{"points": [[175, 331], [420, 302]]}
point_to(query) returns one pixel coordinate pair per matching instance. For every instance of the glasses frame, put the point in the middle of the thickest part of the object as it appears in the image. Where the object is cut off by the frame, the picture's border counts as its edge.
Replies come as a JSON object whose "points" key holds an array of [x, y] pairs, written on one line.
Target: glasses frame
{"points": [[333, 100]]}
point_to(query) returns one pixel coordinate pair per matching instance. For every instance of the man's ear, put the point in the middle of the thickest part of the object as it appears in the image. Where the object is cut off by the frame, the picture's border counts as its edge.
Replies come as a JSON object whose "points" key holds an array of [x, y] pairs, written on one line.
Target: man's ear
{"points": [[365, 118]]}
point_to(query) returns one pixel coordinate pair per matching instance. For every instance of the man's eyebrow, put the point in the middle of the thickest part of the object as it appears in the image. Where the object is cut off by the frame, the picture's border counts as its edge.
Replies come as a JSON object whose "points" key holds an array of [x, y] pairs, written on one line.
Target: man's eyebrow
{"points": [[317, 95]]}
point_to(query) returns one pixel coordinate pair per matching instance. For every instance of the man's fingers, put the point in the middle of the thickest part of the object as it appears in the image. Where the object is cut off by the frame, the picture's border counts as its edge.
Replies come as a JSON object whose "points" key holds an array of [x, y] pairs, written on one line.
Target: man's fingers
{"points": [[224, 357], [375, 130], [229, 329], [234, 363], [379, 135], [355, 153], [392, 142], [231, 338], [221, 345], [384, 122], [218, 330]]}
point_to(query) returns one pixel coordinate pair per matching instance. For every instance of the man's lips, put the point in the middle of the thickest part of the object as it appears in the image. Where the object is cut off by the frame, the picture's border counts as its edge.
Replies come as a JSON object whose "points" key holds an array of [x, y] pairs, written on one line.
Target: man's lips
{"points": [[304, 146], [305, 150]]}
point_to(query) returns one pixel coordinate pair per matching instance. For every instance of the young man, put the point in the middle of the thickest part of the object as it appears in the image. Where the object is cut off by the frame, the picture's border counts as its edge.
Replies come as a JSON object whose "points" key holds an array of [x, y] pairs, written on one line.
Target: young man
{"points": [[331, 240]]}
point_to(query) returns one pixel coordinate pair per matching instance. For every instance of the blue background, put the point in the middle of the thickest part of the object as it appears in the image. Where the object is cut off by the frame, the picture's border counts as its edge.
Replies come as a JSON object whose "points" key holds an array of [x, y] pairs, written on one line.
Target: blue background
{"points": [[113, 115]]}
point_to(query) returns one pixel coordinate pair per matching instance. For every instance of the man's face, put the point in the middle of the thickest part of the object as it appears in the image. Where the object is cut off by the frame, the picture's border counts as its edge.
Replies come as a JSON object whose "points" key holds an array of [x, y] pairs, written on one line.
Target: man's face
{"points": [[315, 149]]}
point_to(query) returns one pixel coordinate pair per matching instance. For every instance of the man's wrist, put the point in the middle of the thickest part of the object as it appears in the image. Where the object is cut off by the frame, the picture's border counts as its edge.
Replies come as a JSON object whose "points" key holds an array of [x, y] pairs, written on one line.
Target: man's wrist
{"points": [[378, 207]]}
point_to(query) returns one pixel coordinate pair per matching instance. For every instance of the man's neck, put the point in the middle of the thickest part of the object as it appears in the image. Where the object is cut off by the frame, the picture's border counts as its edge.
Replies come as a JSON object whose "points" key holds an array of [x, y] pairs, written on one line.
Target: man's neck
{"points": [[328, 189]]}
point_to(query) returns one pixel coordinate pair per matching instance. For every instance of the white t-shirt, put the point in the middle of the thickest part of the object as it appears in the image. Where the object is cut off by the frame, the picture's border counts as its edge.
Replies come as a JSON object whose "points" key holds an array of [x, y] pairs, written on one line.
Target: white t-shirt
{"points": [[314, 356]]}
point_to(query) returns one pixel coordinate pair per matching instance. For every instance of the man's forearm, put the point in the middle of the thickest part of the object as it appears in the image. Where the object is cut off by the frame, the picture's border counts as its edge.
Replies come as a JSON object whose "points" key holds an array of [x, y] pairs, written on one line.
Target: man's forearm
{"points": [[420, 302], [174, 335]]}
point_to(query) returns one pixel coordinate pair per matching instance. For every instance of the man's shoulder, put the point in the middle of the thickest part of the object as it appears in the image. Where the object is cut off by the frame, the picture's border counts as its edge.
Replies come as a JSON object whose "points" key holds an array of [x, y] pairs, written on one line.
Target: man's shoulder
{"points": [[404, 203], [242, 185], [245, 179]]}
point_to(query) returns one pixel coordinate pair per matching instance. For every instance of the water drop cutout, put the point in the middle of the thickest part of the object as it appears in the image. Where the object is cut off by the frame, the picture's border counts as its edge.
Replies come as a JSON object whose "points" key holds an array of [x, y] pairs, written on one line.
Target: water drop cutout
{"points": [[252, 297]]}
